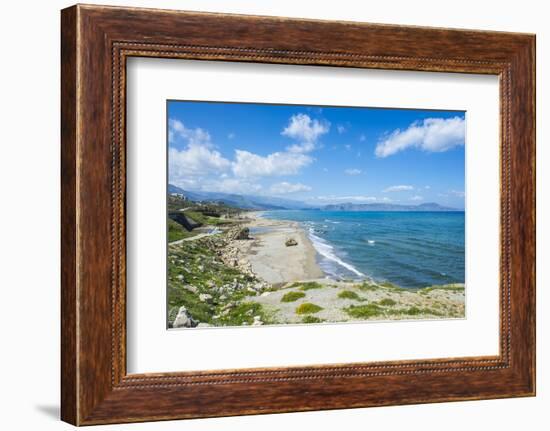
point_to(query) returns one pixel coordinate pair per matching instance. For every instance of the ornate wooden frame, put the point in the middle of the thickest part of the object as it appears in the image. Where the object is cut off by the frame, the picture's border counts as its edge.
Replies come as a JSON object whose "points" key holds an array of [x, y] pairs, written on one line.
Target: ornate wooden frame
{"points": [[95, 42]]}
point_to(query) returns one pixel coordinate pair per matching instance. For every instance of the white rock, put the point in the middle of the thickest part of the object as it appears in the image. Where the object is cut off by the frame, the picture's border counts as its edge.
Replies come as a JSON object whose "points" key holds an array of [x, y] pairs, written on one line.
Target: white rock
{"points": [[184, 319], [205, 297], [190, 288]]}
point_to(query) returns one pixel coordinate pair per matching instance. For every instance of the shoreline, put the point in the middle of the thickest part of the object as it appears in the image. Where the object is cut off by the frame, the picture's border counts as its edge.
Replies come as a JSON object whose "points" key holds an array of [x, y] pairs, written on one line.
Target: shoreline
{"points": [[271, 259], [246, 274]]}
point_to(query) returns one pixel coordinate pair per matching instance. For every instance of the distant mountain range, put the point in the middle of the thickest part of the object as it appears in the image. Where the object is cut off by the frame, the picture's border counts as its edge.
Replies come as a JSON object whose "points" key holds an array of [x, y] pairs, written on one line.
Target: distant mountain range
{"points": [[274, 203], [429, 206], [242, 201]]}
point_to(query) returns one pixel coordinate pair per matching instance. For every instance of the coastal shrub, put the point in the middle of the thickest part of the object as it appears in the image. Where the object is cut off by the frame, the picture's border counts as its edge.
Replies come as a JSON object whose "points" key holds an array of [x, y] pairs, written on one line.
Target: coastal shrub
{"points": [[311, 319], [387, 302], [392, 287], [308, 285], [348, 294], [415, 311], [364, 311], [199, 310], [446, 287], [292, 296], [243, 313], [205, 219], [308, 308], [194, 268], [368, 287]]}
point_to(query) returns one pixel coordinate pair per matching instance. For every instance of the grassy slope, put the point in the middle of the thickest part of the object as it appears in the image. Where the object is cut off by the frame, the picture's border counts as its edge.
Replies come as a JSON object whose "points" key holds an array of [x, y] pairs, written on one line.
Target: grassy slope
{"points": [[195, 269]]}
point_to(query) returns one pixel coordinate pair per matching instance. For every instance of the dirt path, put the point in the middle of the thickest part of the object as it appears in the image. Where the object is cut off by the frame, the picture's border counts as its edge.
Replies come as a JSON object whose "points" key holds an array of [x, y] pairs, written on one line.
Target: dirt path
{"points": [[214, 231]]}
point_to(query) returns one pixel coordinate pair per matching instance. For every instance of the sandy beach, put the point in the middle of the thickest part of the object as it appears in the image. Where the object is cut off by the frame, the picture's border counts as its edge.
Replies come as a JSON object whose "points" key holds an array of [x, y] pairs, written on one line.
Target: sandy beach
{"points": [[247, 273], [273, 261]]}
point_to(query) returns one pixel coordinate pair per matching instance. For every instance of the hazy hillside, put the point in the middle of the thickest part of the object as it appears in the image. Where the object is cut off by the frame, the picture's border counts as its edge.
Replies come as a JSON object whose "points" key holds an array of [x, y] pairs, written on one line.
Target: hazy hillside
{"points": [[387, 207]]}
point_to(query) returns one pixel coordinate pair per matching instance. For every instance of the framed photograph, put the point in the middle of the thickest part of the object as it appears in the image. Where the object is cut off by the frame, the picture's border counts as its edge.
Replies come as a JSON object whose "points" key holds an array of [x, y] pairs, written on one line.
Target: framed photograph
{"points": [[267, 215]]}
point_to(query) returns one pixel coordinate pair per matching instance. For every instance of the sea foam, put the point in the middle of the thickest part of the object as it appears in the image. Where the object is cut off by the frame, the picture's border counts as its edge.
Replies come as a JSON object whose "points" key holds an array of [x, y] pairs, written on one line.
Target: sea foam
{"points": [[327, 251]]}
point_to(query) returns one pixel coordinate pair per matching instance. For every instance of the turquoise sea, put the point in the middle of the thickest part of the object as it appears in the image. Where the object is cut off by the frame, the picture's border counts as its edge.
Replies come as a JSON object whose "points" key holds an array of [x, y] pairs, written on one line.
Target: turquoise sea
{"points": [[410, 249]]}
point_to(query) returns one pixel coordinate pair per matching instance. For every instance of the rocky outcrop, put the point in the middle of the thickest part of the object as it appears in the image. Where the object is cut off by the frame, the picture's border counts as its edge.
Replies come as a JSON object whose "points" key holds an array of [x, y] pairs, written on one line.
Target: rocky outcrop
{"points": [[291, 242], [240, 233], [184, 319]]}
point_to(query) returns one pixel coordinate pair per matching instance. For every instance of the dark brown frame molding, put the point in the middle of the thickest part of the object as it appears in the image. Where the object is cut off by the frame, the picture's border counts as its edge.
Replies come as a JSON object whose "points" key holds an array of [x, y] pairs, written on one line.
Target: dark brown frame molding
{"points": [[95, 43]]}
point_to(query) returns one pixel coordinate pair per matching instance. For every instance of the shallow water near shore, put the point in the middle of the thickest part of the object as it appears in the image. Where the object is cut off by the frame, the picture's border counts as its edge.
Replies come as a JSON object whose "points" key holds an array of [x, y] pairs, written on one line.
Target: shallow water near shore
{"points": [[410, 249]]}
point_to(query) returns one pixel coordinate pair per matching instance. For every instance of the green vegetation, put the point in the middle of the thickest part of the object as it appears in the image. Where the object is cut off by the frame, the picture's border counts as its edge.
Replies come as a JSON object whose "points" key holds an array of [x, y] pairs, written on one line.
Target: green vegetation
{"points": [[364, 311], [195, 269], [212, 209], [348, 294], [308, 285], [392, 287], [176, 203], [308, 308], [374, 309], [388, 302], [200, 217], [243, 313], [415, 311], [311, 319], [292, 296], [176, 231], [200, 311], [368, 286], [228, 294], [447, 287]]}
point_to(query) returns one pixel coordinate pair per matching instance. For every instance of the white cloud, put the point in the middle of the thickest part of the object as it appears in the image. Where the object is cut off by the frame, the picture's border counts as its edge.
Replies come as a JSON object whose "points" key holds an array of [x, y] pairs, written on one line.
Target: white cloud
{"points": [[362, 138], [284, 188], [199, 157], [353, 171], [177, 132], [341, 129], [304, 147], [417, 198], [231, 135], [347, 147], [231, 185], [400, 188], [248, 164], [427, 187], [306, 131], [195, 160], [431, 134]]}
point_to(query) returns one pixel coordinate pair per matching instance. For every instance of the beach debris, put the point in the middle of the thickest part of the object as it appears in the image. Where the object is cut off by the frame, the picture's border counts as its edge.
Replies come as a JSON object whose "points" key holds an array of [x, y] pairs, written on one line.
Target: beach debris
{"points": [[184, 319], [291, 242]]}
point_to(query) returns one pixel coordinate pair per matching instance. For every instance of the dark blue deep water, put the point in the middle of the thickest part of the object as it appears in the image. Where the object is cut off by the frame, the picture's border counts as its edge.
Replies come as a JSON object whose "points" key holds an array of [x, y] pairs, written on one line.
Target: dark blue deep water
{"points": [[410, 249]]}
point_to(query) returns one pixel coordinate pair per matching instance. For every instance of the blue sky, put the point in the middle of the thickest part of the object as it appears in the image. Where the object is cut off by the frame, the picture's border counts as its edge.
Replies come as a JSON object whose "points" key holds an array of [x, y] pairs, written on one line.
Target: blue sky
{"points": [[318, 154]]}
